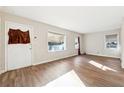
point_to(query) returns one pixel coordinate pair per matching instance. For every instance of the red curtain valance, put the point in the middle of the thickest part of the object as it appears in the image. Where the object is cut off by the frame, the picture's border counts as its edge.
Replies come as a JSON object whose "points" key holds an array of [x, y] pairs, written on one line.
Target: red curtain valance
{"points": [[16, 36]]}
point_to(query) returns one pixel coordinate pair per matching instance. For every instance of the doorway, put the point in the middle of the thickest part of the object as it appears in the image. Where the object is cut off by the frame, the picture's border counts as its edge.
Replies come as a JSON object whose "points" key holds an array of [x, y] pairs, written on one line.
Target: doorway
{"points": [[17, 55]]}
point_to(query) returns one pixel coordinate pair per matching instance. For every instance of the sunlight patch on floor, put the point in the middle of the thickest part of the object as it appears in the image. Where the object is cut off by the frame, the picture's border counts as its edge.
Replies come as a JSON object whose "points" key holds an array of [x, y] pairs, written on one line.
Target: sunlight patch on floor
{"points": [[103, 67], [69, 79]]}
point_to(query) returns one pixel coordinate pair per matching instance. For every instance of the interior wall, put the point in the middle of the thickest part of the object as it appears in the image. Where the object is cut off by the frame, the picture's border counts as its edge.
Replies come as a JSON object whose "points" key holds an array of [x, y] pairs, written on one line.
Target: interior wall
{"points": [[2, 45], [39, 45], [95, 44], [122, 45]]}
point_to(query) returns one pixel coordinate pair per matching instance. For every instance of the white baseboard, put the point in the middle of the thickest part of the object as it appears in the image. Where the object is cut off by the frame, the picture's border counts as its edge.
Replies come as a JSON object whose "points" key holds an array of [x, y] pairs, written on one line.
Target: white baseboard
{"points": [[2, 71], [122, 64], [46, 61], [102, 55]]}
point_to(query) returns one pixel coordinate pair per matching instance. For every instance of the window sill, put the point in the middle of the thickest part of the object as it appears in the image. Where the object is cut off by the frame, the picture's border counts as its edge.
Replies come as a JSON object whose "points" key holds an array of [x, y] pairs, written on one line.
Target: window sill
{"points": [[57, 51]]}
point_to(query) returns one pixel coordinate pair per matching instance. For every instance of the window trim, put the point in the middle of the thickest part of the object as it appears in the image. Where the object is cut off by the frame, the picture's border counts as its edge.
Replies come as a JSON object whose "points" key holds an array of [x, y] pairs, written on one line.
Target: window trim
{"points": [[74, 43], [106, 42], [65, 48]]}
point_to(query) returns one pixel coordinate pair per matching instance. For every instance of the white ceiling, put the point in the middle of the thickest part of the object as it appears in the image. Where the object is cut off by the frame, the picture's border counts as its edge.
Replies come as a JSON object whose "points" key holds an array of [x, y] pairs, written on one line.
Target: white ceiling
{"points": [[76, 18]]}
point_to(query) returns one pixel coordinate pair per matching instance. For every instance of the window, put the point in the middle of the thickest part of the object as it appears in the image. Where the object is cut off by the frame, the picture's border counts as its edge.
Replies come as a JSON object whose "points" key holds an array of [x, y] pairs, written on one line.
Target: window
{"points": [[76, 43], [111, 41], [56, 42]]}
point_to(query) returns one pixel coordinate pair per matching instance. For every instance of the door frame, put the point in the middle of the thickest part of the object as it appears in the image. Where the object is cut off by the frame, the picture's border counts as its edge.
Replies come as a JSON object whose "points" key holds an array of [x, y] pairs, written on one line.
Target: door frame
{"points": [[6, 42], [79, 52]]}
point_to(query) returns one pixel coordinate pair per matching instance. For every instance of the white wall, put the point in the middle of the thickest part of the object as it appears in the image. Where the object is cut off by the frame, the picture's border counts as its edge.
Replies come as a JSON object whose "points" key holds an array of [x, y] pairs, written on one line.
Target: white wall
{"points": [[94, 44], [40, 49], [2, 44], [122, 45]]}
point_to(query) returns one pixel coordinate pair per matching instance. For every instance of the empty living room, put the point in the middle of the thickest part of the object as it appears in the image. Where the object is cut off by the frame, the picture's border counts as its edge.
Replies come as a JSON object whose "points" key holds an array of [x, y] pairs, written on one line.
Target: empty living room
{"points": [[62, 46]]}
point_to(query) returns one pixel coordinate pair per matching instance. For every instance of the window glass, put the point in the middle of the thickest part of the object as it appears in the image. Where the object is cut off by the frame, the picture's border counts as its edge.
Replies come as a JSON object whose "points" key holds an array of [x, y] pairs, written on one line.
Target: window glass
{"points": [[76, 43], [56, 42], [111, 41]]}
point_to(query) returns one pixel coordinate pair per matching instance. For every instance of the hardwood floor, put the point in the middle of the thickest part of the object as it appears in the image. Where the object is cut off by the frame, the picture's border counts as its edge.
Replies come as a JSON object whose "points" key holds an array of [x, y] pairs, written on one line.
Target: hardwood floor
{"points": [[92, 70]]}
